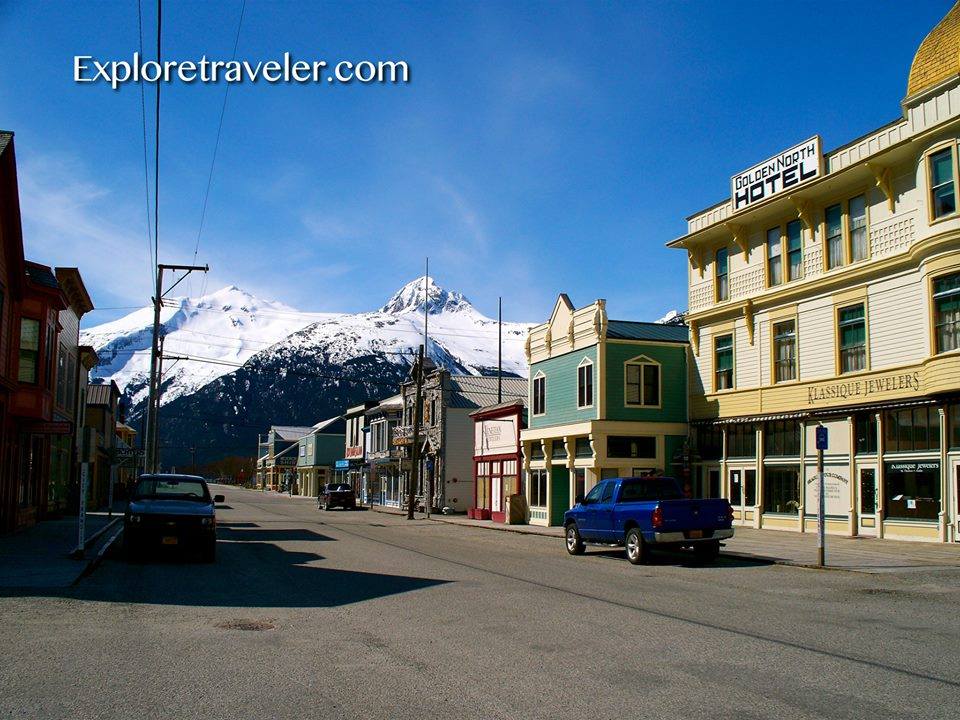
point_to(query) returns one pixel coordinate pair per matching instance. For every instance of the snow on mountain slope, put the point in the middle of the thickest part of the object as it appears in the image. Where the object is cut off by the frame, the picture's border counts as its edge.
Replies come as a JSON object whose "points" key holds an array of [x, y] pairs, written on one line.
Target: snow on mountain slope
{"points": [[228, 326], [232, 327], [460, 338]]}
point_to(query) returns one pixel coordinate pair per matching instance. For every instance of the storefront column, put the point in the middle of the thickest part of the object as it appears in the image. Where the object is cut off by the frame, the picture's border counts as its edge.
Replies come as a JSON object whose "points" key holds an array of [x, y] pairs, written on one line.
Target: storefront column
{"points": [[724, 484], [881, 481], [854, 515], [526, 449], [943, 517], [758, 490], [548, 466], [570, 444]]}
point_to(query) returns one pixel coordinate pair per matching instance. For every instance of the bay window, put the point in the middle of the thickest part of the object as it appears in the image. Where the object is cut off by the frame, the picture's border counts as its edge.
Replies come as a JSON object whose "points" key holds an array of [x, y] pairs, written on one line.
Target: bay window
{"points": [[785, 351], [29, 351], [723, 362], [946, 310], [943, 200], [833, 217], [774, 257], [795, 249], [722, 273]]}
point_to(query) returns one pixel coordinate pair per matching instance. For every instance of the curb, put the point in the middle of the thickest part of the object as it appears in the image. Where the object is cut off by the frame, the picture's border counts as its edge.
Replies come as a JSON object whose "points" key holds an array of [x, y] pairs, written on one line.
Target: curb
{"points": [[95, 561], [92, 540]]}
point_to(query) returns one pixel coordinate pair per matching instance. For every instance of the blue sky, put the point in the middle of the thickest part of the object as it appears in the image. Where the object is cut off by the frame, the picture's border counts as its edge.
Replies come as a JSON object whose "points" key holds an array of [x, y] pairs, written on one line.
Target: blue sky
{"points": [[539, 148]]}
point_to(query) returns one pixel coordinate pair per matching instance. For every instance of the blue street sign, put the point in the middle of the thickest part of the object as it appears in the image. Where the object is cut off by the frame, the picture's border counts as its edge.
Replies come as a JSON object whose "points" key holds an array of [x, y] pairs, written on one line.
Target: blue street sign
{"points": [[821, 437], [341, 464]]}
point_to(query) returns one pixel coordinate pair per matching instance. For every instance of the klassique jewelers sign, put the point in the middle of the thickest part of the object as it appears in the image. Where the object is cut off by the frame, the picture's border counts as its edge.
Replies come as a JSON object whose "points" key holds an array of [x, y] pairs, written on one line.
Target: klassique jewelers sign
{"points": [[800, 164], [863, 387]]}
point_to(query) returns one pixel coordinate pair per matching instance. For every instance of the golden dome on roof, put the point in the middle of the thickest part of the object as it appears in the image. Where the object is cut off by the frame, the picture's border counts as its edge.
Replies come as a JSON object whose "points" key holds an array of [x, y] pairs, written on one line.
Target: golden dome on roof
{"points": [[938, 56]]}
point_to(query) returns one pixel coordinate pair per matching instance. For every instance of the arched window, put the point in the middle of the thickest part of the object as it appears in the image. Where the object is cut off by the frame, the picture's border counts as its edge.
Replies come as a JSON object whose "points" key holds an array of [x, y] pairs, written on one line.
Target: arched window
{"points": [[585, 383], [539, 399]]}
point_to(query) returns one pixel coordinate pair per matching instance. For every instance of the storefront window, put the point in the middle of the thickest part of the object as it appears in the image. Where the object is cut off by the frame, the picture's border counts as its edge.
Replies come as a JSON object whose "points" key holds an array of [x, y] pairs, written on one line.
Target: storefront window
{"points": [[781, 437], [709, 442], [579, 482], [912, 490], [781, 489], [834, 226], [631, 447], [742, 441], [946, 302], [558, 450], [538, 488], [954, 425], [912, 430], [583, 449], [865, 428]]}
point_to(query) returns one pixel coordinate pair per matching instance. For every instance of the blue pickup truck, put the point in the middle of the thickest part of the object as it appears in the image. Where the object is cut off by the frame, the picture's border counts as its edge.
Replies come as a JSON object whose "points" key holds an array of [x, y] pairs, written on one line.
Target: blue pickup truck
{"points": [[643, 513]]}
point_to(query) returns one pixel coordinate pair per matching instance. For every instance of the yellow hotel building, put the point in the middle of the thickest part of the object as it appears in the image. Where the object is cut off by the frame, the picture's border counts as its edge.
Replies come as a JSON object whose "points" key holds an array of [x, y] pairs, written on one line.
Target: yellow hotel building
{"points": [[826, 289]]}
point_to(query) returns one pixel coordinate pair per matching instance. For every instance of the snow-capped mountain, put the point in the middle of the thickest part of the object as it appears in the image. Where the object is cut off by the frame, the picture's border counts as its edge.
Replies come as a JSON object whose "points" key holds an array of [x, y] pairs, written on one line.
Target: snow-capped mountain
{"points": [[227, 327]]}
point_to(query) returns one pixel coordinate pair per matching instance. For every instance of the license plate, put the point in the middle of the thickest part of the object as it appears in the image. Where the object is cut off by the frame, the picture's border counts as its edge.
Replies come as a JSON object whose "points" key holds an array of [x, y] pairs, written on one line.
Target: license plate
{"points": [[695, 534], [169, 540]]}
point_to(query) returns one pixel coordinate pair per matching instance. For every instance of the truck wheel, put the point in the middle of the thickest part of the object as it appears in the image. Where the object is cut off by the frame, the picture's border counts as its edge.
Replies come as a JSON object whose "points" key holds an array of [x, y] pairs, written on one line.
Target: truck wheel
{"points": [[636, 551], [707, 552], [574, 543]]}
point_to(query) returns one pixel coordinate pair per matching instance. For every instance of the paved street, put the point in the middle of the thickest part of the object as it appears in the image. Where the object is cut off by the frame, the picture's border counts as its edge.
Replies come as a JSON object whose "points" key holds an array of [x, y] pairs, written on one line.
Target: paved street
{"points": [[367, 615]]}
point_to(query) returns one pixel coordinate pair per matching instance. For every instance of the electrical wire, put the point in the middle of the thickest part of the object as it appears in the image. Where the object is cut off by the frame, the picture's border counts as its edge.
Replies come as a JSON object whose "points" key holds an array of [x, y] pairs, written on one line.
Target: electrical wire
{"points": [[146, 164], [216, 147]]}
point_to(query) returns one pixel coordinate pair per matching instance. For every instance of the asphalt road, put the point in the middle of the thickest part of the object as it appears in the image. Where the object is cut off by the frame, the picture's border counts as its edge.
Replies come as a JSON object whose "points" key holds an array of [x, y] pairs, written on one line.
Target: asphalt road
{"points": [[366, 615]]}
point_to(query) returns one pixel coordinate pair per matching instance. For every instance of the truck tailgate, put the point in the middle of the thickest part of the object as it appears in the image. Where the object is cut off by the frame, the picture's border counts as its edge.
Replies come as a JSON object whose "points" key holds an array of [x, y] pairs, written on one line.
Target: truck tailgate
{"points": [[694, 515]]}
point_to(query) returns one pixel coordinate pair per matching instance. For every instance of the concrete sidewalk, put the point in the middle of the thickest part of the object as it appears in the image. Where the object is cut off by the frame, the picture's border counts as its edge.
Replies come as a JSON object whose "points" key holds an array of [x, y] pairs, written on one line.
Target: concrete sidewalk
{"points": [[41, 556], [860, 554]]}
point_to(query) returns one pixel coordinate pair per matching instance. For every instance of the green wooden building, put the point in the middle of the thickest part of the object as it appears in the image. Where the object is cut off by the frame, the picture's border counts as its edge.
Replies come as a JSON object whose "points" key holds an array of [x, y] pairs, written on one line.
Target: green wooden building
{"points": [[608, 398]]}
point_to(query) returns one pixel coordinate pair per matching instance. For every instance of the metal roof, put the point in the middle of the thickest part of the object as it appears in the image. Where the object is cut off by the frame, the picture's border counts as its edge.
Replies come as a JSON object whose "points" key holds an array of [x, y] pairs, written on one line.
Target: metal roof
{"points": [[330, 425], [290, 432], [632, 330], [101, 394], [5, 138], [514, 402], [476, 391]]}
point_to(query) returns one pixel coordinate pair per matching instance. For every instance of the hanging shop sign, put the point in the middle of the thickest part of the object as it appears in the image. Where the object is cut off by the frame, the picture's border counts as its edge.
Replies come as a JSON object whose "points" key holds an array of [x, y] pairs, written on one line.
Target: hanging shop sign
{"points": [[783, 172]]}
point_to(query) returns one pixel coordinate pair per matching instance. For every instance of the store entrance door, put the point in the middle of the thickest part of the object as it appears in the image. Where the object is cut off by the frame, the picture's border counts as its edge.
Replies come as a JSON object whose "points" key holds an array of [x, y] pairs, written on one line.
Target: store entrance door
{"points": [[743, 490], [867, 493]]}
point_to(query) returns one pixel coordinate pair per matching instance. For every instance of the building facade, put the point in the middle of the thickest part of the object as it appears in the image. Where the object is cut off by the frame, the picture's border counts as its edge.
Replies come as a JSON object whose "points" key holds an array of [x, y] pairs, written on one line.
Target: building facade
{"points": [[445, 476], [607, 398], [498, 460], [277, 456], [352, 467], [826, 290], [64, 468], [100, 419], [317, 453], [383, 455]]}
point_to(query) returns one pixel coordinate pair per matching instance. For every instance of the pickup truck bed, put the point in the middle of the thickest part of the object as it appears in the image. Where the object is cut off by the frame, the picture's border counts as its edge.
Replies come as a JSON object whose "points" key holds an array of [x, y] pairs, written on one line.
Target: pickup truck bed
{"points": [[647, 513]]}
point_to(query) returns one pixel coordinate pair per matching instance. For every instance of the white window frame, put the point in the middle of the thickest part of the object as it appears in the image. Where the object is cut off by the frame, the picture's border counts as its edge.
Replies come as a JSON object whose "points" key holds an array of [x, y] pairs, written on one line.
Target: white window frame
{"points": [[586, 362], [533, 394], [641, 361]]}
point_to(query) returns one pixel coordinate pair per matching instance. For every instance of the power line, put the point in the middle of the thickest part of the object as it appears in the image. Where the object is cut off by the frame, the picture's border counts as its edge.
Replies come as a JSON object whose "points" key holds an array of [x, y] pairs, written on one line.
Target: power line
{"points": [[146, 171], [216, 146], [156, 149]]}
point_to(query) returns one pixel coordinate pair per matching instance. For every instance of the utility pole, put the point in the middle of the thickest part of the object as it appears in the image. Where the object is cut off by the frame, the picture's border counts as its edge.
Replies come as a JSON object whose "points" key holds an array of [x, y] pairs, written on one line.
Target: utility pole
{"points": [[499, 350], [414, 476], [426, 304], [150, 433], [155, 439], [193, 460]]}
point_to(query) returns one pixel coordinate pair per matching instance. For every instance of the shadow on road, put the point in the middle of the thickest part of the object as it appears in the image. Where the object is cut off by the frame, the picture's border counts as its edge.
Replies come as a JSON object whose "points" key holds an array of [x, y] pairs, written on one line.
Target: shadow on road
{"points": [[685, 559], [250, 571]]}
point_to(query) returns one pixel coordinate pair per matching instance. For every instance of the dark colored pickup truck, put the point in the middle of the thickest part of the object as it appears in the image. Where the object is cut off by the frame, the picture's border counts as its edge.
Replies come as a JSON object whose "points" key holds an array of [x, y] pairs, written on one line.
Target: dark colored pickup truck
{"points": [[645, 513]]}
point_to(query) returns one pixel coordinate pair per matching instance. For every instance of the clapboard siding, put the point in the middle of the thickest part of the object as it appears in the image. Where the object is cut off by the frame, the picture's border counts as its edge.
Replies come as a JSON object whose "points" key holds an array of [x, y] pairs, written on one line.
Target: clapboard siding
{"points": [[816, 339], [899, 326], [561, 389]]}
